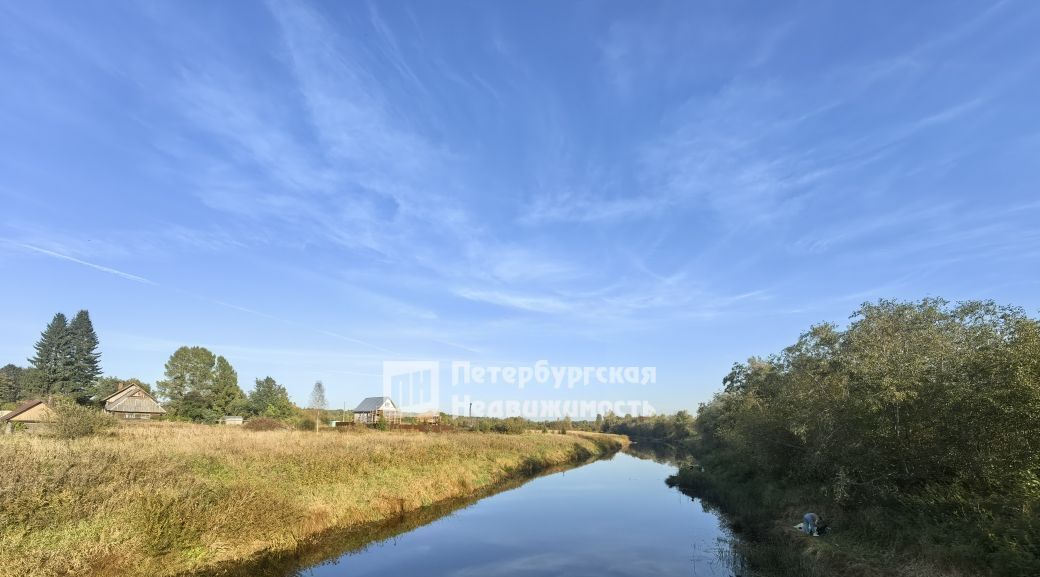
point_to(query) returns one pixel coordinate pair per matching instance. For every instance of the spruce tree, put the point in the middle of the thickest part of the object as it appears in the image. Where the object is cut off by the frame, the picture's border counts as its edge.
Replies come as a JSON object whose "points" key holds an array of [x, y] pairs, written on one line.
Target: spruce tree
{"points": [[226, 392], [84, 357], [53, 359]]}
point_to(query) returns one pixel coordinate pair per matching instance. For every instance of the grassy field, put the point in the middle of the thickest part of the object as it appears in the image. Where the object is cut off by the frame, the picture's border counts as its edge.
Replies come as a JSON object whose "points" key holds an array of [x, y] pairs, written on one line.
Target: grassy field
{"points": [[167, 498]]}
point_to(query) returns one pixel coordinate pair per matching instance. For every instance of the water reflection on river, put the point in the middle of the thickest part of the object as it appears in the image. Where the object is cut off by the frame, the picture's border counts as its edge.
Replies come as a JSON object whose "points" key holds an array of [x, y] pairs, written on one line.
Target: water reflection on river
{"points": [[611, 517]]}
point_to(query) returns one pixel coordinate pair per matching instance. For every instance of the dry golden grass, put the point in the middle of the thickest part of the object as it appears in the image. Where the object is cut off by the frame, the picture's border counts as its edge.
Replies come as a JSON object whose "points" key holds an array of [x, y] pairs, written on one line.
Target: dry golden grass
{"points": [[168, 498]]}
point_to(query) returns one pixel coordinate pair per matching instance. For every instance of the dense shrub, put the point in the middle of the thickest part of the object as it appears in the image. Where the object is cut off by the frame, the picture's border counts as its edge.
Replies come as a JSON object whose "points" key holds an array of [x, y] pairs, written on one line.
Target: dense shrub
{"points": [[673, 429], [72, 421], [924, 411], [509, 426]]}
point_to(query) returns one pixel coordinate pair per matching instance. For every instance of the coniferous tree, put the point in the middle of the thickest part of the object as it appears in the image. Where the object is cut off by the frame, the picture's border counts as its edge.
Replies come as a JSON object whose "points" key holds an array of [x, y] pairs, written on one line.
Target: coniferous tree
{"points": [[85, 358], [53, 359], [227, 395]]}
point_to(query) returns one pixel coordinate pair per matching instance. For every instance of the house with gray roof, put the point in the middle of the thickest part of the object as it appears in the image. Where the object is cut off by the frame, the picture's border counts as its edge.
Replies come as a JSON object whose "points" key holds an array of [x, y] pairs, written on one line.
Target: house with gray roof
{"points": [[133, 402], [375, 409]]}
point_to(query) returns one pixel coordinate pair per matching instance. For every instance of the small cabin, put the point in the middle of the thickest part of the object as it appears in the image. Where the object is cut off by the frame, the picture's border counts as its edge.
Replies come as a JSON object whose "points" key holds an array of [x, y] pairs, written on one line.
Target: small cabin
{"points": [[29, 414], [377, 409], [133, 402], [232, 420]]}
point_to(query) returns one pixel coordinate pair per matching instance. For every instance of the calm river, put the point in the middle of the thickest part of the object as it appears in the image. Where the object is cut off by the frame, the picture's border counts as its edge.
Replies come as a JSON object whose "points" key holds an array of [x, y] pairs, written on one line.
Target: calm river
{"points": [[612, 517]]}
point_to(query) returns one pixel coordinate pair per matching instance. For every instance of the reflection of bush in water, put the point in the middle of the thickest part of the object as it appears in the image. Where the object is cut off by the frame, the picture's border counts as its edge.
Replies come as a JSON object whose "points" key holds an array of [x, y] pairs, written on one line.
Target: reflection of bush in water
{"points": [[661, 453]]}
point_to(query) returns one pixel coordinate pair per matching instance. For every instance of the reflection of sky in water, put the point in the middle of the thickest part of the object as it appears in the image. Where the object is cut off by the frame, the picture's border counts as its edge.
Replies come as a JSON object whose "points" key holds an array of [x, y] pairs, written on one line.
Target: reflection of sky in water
{"points": [[613, 517]]}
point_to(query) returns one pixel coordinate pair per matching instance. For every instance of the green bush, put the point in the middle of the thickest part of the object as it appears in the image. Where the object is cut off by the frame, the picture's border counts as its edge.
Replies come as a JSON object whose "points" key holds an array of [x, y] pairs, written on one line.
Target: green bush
{"points": [[72, 421], [914, 428], [302, 422], [509, 426]]}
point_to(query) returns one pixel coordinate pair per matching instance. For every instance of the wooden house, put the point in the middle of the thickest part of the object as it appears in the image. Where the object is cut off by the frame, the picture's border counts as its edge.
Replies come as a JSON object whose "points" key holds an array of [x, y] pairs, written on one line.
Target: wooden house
{"points": [[133, 402], [29, 414], [375, 409]]}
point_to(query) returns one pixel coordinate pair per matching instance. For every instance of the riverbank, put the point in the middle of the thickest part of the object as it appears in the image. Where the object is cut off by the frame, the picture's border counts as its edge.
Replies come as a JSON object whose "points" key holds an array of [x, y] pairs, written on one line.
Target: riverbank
{"points": [[913, 429], [578, 522], [168, 498], [871, 542]]}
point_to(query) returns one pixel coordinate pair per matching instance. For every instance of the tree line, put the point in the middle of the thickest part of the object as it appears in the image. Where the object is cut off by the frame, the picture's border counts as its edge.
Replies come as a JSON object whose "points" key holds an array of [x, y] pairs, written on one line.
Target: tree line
{"points": [[197, 385], [675, 429], [66, 363], [202, 387], [919, 420]]}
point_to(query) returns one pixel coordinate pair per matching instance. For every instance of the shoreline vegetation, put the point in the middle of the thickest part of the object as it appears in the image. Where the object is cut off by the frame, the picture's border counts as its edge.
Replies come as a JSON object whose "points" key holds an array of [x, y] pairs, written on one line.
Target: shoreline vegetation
{"points": [[177, 498], [915, 432]]}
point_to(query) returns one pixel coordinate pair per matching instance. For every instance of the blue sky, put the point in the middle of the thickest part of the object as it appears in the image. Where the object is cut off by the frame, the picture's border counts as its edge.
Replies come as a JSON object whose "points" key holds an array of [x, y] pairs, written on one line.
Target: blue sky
{"points": [[313, 188]]}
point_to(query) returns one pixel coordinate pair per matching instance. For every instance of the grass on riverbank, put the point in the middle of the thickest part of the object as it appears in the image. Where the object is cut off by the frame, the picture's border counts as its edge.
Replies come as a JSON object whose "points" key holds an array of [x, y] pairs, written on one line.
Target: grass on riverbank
{"points": [[168, 498], [865, 542]]}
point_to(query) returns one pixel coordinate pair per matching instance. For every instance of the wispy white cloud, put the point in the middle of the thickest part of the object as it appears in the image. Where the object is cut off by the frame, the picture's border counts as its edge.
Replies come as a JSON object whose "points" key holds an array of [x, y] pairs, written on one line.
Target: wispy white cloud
{"points": [[757, 151], [68, 258], [392, 51], [529, 303], [361, 342], [586, 206], [639, 302], [218, 302]]}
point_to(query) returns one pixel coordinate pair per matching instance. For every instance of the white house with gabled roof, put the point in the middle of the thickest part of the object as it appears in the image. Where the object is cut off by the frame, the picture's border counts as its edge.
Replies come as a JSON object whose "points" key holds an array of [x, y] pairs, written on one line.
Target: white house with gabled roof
{"points": [[375, 409]]}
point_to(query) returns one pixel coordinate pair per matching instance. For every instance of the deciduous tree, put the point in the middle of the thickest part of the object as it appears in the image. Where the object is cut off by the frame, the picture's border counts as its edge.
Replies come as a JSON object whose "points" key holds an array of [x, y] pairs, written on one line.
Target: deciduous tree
{"points": [[12, 382], [318, 402], [922, 403], [269, 399], [199, 385]]}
